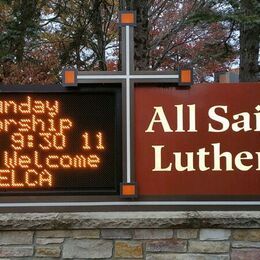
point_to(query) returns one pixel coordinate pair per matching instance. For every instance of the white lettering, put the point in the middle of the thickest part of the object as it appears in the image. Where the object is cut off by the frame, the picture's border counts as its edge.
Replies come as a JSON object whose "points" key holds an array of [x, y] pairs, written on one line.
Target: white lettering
{"points": [[218, 118], [162, 120]]}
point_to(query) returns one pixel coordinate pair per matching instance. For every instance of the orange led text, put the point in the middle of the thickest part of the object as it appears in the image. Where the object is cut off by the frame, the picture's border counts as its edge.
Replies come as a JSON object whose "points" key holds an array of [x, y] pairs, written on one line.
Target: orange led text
{"points": [[40, 142]]}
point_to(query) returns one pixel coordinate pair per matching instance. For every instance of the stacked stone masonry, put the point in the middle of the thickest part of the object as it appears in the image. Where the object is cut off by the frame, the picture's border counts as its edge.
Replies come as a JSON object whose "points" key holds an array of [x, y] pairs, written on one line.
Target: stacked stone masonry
{"points": [[132, 239], [150, 244]]}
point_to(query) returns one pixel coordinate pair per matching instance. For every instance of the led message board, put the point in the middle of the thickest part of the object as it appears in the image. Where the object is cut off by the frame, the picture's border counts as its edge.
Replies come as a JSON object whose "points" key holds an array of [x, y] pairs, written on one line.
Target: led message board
{"points": [[60, 142]]}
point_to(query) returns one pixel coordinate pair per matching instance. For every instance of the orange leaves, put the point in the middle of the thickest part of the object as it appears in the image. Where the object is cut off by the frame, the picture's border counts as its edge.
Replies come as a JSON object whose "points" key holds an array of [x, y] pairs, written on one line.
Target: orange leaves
{"points": [[40, 68]]}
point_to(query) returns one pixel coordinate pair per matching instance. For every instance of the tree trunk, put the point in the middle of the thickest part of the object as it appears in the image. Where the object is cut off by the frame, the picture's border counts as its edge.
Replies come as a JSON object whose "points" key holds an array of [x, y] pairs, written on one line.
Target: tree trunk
{"points": [[27, 16], [141, 34], [100, 37], [249, 45]]}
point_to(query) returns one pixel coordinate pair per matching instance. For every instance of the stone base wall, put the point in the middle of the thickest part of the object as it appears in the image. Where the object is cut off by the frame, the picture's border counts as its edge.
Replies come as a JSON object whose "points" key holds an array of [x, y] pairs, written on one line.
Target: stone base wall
{"points": [[122, 236], [152, 244]]}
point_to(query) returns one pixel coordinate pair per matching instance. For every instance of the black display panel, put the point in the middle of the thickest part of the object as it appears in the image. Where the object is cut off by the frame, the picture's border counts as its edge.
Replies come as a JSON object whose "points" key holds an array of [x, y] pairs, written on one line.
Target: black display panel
{"points": [[66, 142]]}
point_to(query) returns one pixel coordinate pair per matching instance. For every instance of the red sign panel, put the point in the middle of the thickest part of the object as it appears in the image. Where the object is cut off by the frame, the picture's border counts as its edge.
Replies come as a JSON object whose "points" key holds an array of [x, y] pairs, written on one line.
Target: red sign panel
{"points": [[203, 140]]}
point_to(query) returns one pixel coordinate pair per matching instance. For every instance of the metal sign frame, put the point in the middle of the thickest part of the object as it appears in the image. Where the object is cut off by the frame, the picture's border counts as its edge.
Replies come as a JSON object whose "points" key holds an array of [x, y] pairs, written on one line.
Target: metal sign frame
{"points": [[127, 78]]}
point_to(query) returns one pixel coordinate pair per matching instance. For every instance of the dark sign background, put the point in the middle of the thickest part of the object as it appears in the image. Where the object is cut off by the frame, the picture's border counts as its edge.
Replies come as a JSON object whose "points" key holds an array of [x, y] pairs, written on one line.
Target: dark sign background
{"points": [[238, 97], [92, 112]]}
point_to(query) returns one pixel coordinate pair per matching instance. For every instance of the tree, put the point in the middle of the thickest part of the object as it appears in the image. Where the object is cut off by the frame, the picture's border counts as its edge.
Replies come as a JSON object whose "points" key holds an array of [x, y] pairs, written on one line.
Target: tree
{"points": [[20, 32], [141, 36], [84, 34], [24, 56], [68, 32], [242, 17], [249, 40], [166, 38]]}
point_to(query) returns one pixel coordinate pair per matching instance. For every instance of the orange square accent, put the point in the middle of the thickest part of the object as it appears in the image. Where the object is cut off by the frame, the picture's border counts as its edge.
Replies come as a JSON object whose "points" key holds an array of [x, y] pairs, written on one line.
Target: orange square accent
{"points": [[128, 190], [69, 77], [186, 76], [127, 18]]}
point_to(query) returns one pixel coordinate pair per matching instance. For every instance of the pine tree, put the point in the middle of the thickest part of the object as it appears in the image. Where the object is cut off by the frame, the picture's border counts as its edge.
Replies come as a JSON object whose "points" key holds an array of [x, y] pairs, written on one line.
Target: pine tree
{"points": [[242, 16]]}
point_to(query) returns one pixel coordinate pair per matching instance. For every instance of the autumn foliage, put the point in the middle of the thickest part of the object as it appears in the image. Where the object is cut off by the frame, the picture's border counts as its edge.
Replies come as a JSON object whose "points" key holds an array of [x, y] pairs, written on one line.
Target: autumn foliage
{"points": [[39, 39]]}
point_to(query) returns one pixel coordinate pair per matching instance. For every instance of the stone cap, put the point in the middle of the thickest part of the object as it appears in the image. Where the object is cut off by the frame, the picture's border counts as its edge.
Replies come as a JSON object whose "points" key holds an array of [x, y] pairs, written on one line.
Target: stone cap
{"points": [[91, 220]]}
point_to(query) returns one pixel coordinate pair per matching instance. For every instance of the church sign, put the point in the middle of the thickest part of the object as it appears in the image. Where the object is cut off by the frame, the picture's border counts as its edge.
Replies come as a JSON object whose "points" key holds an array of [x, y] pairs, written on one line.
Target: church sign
{"points": [[135, 139], [201, 141]]}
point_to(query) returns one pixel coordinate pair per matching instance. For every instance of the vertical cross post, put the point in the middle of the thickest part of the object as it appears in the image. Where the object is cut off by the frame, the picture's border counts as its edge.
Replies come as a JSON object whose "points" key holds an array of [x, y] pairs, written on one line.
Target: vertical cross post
{"points": [[127, 23]]}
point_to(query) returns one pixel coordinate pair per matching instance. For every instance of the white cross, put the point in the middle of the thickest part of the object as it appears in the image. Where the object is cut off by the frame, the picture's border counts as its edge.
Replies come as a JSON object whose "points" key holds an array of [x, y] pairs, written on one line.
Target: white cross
{"points": [[127, 77]]}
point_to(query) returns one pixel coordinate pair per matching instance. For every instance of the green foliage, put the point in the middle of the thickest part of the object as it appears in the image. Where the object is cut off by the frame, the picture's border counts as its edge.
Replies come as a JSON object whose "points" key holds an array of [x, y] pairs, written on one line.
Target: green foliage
{"points": [[242, 15], [21, 28], [238, 11]]}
